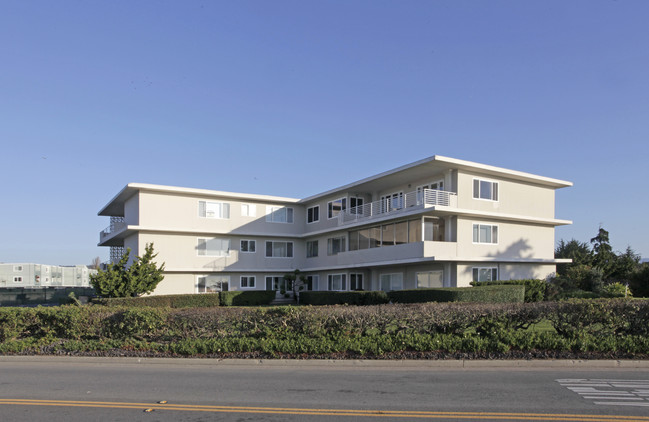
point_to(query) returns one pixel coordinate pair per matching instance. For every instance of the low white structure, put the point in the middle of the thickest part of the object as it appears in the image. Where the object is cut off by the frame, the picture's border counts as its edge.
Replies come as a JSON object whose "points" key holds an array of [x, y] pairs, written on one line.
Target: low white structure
{"points": [[436, 222], [38, 275]]}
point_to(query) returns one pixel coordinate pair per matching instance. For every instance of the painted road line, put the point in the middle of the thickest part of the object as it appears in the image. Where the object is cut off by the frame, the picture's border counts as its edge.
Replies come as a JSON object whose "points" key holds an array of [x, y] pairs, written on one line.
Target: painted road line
{"points": [[329, 412], [610, 392]]}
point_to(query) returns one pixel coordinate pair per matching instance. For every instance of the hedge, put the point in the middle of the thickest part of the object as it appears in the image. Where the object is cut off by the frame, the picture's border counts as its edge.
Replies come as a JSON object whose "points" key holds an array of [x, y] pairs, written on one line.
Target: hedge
{"points": [[534, 288], [606, 328], [344, 298], [163, 301], [247, 298], [484, 294]]}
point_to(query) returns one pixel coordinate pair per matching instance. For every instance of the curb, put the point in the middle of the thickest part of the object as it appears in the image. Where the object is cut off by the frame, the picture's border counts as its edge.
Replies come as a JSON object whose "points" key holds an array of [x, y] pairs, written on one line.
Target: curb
{"points": [[343, 364]]}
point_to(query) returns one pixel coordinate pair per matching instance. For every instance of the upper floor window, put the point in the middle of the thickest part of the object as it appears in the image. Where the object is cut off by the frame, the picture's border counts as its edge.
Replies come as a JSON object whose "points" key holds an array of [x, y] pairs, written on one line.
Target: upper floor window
{"points": [[483, 189], [213, 209], [335, 245], [275, 249], [311, 248], [18, 279], [313, 214], [485, 273], [248, 246], [355, 205], [213, 247], [248, 210], [335, 207], [18, 268], [276, 214], [485, 233]]}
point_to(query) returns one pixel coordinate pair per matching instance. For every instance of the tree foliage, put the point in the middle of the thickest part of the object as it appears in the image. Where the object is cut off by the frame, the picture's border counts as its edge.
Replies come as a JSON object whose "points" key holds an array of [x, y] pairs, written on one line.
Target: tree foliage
{"points": [[579, 252], [141, 277]]}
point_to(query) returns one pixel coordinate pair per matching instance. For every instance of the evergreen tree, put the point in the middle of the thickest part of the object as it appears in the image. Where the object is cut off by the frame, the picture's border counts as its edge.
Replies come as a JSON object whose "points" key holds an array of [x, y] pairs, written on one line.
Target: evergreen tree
{"points": [[118, 281], [579, 252], [603, 255]]}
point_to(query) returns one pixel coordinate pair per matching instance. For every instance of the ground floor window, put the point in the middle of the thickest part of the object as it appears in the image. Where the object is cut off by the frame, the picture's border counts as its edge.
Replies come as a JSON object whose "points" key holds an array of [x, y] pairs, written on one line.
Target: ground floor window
{"points": [[392, 281], [356, 281], [247, 282], [430, 279], [312, 282], [337, 282], [18, 279], [278, 283], [485, 273], [212, 283]]}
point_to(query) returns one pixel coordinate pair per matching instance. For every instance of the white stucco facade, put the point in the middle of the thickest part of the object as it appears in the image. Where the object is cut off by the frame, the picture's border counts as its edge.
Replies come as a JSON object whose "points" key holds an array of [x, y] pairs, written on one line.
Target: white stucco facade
{"points": [[436, 222]]}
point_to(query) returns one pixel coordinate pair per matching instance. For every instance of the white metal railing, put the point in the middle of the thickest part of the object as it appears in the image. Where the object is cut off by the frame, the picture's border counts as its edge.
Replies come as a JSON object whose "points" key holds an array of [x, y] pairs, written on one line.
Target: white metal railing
{"points": [[396, 204], [114, 227]]}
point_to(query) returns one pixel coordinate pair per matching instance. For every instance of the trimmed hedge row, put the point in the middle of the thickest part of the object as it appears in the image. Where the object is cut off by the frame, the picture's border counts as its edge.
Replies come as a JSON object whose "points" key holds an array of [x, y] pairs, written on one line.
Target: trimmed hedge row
{"points": [[534, 288], [163, 301], [233, 298], [247, 298], [344, 298], [485, 294], [615, 327]]}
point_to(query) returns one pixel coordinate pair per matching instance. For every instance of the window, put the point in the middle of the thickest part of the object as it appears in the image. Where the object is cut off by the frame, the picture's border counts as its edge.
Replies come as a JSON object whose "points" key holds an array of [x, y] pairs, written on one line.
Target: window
{"points": [[248, 210], [485, 233], [18, 279], [313, 214], [391, 281], [356, 205], [312, 282], [275, 249], [434, 229], [335, 245], [485, 274], [335, 207], [212, 283], [213, 247], [18, 268], [213, 209], [277, 283], [248, 246], [337, 282], [311, 248], [430, 279], [483, 189], [392, 202], [247, 282], [279, 214], [356, 281]]}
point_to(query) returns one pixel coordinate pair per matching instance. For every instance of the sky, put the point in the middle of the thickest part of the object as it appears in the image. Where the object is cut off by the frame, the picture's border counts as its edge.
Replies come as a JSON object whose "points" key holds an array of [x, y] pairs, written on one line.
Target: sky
{"points": [[293, 98]]}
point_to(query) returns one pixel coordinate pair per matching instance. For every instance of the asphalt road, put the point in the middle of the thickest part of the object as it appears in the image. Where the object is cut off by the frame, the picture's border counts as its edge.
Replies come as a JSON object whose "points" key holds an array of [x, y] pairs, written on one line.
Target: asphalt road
{"points": [[75, 389]]}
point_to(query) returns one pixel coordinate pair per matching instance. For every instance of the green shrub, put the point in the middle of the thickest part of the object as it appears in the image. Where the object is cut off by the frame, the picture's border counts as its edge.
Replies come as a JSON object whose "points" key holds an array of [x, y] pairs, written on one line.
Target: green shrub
{"points": [[483, 294], [534, 288], [344, 298], [247, 298], [615, 290], [163, 301]]}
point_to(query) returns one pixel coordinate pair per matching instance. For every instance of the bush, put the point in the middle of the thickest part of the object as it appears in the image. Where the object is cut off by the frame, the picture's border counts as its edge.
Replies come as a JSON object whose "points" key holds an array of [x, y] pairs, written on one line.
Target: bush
{"points": [[247, 298], [615, 290], [639, 282], [163, 301], [344, 298], [483, 294], [534, 288]]}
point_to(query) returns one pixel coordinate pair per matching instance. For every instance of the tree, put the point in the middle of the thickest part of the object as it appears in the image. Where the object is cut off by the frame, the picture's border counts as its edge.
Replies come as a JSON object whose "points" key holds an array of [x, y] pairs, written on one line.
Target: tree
{"points": [[96, 263], [296, 283], [639, 282], [626, 264], [579, 252], [603, 255], [141, 277]]}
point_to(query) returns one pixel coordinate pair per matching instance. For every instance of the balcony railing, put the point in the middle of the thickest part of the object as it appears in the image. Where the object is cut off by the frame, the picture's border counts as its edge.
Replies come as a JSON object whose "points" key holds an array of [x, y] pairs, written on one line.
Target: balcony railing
{"points": [[398, 204], [114, 227]]}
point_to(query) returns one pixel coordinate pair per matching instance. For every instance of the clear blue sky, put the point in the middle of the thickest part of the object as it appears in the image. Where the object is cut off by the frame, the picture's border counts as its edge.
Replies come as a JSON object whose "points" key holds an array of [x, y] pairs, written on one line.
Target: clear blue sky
{"points": [[292, 98]]}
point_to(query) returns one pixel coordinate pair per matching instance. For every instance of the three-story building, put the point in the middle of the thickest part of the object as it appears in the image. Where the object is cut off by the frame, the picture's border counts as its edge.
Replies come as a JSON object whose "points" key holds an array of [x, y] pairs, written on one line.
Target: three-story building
{"points": [[433, 223]]}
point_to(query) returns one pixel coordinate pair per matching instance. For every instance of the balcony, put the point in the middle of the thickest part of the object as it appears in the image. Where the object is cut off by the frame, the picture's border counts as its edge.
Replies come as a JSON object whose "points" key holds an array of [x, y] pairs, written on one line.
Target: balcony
{"points": [[116, 224], [397, 204]]}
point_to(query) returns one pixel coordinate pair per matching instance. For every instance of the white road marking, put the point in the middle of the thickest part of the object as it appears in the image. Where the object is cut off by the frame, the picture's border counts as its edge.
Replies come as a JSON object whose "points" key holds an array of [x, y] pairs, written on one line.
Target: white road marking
{"points": [[617, 392]]}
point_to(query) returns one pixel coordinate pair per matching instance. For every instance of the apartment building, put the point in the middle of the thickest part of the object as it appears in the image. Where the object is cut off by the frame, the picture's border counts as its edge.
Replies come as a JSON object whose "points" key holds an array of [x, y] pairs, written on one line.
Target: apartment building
{"points": [[438, 222], [30, 275]]}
